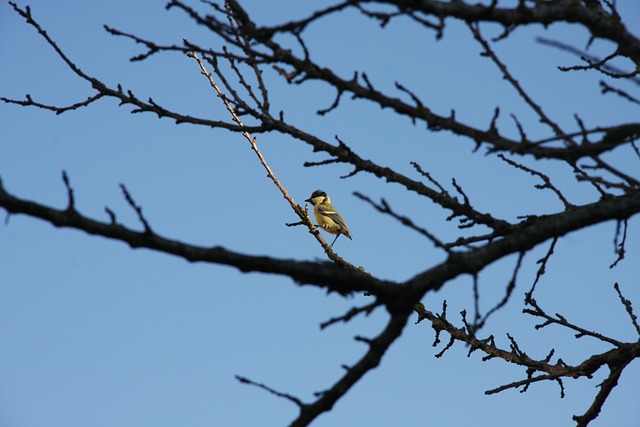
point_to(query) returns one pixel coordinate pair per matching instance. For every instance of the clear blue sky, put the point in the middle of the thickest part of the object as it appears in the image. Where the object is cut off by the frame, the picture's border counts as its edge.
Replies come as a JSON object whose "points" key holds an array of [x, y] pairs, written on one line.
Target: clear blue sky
{"points": [[95, 334]]}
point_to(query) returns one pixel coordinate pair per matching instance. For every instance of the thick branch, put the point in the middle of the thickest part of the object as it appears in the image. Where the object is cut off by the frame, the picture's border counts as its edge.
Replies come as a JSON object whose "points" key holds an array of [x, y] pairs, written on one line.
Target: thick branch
{"points": [[600, 24], [526, 236], [331, 277]]}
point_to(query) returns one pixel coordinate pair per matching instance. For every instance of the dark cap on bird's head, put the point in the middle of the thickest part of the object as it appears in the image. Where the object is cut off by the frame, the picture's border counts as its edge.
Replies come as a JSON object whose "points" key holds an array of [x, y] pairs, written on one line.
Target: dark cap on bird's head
{"points": [[317, 193]]}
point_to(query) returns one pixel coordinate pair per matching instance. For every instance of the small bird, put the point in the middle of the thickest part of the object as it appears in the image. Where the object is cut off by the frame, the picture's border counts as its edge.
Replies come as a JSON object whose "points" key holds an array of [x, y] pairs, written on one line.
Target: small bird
{"points": [[327, 216]]}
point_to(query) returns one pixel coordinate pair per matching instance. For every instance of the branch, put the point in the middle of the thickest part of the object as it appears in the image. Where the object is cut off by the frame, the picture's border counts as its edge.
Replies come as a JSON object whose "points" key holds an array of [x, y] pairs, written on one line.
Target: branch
{"points": [[600, 24], [103, 90], [616, 359], [367, 310], [384, 208], [302, 214], [305, 67], [562, 321], [547, 181], [616, 367], [475, 30], [542, 269], [29, 102], [524, 237], [377, 348], [585, 56], [287, 396], [333, 278], [627, 305]]}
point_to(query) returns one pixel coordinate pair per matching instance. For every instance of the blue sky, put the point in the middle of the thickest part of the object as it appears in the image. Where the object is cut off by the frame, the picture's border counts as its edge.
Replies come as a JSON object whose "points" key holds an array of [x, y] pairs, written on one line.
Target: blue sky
{"points": [[93, 333]]}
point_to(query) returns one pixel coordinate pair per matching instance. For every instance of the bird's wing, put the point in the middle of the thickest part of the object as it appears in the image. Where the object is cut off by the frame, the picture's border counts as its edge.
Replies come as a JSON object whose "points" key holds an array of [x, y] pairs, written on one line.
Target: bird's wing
{"points": [[337, 218]]}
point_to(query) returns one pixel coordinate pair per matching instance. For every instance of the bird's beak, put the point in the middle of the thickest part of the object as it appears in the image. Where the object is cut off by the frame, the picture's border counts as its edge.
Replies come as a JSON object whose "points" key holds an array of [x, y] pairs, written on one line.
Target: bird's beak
{"points": [[308, 200]]}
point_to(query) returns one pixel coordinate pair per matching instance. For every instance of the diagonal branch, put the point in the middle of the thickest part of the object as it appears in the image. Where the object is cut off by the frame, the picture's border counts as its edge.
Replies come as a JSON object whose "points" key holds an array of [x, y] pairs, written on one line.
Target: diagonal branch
{"points": [[377, 348], [524, 237], [302, 214]]}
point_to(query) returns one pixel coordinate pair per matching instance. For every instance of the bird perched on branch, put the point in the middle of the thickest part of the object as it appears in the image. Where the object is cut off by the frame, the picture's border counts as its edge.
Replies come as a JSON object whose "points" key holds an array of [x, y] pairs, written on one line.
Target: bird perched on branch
{"points": [[327, 216]]}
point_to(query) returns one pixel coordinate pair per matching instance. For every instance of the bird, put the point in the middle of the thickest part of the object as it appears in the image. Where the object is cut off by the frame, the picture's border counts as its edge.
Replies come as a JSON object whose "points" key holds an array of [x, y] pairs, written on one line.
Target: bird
{"points": [[327, 216]]}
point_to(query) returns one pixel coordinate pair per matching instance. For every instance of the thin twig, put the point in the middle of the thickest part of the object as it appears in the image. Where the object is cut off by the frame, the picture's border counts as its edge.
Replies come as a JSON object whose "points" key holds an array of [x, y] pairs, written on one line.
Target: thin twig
{"points": [[137, 208], [547, 181], [287, 396], [628, 307]]}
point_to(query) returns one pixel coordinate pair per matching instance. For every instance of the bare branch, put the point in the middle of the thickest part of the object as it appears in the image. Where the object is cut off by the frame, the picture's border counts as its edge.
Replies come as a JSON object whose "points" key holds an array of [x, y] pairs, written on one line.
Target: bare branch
{"points": [[529, 234], [541, 270], [287, 396], [628, 307], [332, 278], [507, 295], [619, 246], [71, 199], [252, 141], [137, 208], [384, 208], [561, 321], [543, 177], [377, 347], [606, 88], [367, 310], [29, 102], [585, 57]]}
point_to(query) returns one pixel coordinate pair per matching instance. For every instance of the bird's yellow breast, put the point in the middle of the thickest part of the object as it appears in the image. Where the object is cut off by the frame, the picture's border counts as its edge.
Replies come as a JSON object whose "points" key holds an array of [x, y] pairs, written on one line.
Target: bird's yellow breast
{"points": [[329, 225]]}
